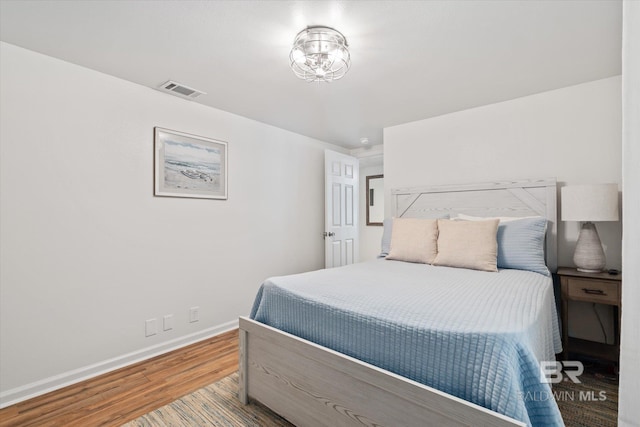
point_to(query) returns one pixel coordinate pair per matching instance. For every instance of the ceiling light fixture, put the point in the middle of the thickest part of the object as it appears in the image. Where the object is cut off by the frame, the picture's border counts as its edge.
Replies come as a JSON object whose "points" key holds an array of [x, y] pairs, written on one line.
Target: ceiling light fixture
{"points": [[320, 54]]}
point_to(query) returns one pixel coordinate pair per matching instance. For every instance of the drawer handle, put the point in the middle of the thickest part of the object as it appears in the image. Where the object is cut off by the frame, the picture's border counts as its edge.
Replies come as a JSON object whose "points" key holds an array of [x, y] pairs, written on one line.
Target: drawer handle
{"points": [[594, 291]]}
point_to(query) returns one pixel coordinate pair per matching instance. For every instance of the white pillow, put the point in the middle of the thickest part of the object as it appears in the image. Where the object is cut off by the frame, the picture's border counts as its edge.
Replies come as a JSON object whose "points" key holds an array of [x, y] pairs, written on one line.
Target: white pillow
{"points": [[468, 244], [413, 240]]}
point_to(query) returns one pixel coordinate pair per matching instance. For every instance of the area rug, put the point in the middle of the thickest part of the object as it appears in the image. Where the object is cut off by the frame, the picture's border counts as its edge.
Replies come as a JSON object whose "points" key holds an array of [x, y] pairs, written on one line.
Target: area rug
{"points": [[581, 405], [591, 403], [214, 405]]}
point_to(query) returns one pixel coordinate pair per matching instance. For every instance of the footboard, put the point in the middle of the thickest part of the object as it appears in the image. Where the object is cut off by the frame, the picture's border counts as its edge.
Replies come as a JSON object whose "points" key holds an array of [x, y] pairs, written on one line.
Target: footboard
{"points": [[311, 385]]}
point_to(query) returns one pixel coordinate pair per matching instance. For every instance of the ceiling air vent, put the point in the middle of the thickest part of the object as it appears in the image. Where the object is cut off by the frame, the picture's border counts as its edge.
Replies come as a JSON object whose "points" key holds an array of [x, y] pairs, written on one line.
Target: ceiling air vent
{"points": [[180, 90]]}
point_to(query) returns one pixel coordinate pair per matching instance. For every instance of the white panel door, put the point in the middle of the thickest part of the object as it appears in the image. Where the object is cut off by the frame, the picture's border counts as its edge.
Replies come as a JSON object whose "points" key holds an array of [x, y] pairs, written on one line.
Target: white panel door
{"points": [[341, 209]]}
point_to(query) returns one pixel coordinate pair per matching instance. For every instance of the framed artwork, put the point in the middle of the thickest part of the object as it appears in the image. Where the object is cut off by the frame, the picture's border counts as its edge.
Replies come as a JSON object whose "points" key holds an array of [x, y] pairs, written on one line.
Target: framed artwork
{"points": [[189, 165], [375, 200]]}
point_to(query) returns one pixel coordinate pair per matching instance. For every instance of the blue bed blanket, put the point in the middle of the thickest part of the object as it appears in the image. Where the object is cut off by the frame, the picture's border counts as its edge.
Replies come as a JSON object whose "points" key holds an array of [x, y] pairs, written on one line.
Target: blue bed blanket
{"points": [[476, 335]]}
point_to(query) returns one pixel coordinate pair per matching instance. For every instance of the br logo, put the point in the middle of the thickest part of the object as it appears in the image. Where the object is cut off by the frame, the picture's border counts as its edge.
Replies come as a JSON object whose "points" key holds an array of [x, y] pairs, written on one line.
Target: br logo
{"points": [[552, 371]]}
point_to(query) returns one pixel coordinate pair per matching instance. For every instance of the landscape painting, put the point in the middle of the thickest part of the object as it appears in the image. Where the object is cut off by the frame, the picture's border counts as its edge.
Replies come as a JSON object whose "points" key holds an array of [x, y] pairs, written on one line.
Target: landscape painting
{"points": [[189, 166]]}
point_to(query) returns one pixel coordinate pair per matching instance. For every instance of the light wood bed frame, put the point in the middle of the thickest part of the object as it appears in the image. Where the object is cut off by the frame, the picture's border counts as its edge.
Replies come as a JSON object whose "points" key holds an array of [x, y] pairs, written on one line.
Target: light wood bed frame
{"points": [[311, 385]]}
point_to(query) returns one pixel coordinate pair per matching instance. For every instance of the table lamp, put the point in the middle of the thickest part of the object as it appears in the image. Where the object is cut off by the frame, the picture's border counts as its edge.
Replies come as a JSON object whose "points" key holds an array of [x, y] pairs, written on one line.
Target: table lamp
{"points": [[589, 203]]}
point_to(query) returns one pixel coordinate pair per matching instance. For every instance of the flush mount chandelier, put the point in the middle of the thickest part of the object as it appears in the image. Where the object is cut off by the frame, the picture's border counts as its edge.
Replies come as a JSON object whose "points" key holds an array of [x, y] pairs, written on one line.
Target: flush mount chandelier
{"points": [[320, 54]]}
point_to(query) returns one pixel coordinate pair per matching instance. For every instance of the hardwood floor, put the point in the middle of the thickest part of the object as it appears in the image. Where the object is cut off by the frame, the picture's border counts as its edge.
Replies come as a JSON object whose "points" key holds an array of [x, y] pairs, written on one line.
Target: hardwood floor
{"points": [[125, 394]]}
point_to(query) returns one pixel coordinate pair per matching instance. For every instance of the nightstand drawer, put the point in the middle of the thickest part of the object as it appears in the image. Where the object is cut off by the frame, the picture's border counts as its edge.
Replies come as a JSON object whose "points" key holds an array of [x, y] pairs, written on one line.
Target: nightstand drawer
{"points": [[593, 291]]}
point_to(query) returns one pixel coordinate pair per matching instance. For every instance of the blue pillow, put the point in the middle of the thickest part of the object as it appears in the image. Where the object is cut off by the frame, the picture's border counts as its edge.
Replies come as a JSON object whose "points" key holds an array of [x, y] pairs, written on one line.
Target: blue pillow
{"points": [[386, 237], [521, 245]]}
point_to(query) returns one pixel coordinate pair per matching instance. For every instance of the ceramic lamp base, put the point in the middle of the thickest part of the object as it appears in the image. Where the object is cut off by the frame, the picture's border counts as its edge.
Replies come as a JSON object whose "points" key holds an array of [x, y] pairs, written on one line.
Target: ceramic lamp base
{"points": [[589, 255]]}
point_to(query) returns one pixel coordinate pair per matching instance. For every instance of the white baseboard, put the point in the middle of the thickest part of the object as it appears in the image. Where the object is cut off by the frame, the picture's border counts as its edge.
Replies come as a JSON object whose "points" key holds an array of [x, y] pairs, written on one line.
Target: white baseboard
{"points": [[37, 388]]}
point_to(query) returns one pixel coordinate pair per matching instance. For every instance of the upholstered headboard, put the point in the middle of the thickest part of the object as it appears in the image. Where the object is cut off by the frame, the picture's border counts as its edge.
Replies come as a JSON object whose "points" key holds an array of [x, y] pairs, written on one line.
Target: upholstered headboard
{"points": [[508, 198]]}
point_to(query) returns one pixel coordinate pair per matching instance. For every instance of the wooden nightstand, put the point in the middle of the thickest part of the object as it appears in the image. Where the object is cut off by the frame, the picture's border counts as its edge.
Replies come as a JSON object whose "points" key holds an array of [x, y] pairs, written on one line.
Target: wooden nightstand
{"points": [[599, 288]]}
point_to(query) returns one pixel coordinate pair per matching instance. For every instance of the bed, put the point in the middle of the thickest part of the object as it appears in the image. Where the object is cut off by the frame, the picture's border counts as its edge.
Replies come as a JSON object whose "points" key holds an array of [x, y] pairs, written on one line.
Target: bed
{"points": [[395, 343]]}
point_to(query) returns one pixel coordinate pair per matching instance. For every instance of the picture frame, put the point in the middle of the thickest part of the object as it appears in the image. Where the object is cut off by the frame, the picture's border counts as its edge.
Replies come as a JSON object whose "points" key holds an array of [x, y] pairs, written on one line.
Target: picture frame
{"points": [[375, 200], [189, 165]]}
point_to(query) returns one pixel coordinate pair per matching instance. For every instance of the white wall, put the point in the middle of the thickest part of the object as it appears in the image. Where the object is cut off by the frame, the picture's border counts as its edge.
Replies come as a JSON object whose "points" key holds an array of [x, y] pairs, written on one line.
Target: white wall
{"points": [[370, 235], [629, 410], [573, 134], [88, 253], [371, 159]]}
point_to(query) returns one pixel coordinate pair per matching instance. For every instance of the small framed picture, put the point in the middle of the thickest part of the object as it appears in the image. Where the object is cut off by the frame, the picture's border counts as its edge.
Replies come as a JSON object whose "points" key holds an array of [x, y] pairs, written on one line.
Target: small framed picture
{"points": [[189, 165]]}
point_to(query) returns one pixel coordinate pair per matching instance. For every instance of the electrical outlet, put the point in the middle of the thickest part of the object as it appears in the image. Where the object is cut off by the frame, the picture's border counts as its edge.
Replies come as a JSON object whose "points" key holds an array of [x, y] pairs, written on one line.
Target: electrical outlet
{"points": [[194, 314], [150, 327], [167, 322]]}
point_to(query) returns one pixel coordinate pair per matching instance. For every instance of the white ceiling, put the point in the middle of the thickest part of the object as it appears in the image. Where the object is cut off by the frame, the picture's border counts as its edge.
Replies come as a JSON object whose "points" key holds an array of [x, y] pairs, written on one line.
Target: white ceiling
{"points": [[410, 59]]}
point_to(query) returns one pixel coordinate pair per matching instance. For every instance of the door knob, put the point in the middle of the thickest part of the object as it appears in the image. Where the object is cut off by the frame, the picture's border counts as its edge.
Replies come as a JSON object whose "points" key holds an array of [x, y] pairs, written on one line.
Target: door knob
{"points": [[328, 234]]}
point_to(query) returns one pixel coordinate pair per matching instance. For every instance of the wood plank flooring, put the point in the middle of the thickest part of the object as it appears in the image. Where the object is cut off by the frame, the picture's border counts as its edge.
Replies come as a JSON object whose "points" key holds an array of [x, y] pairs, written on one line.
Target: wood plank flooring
{"points": [[116, 397]]}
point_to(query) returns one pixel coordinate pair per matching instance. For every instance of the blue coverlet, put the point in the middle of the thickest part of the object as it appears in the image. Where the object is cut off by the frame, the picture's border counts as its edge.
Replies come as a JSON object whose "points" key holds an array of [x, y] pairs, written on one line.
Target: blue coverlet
{"points": [[476, 335]]}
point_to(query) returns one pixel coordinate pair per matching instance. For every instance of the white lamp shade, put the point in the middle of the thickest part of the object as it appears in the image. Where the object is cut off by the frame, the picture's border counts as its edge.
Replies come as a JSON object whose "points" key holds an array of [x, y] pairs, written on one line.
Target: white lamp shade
{"points": [[597, 202]]}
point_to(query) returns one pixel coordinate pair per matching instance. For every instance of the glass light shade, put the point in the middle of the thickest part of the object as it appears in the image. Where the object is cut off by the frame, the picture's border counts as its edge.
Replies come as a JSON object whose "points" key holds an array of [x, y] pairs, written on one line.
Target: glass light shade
{"points": [[320, 54], [298, 56], [335, 54]]}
